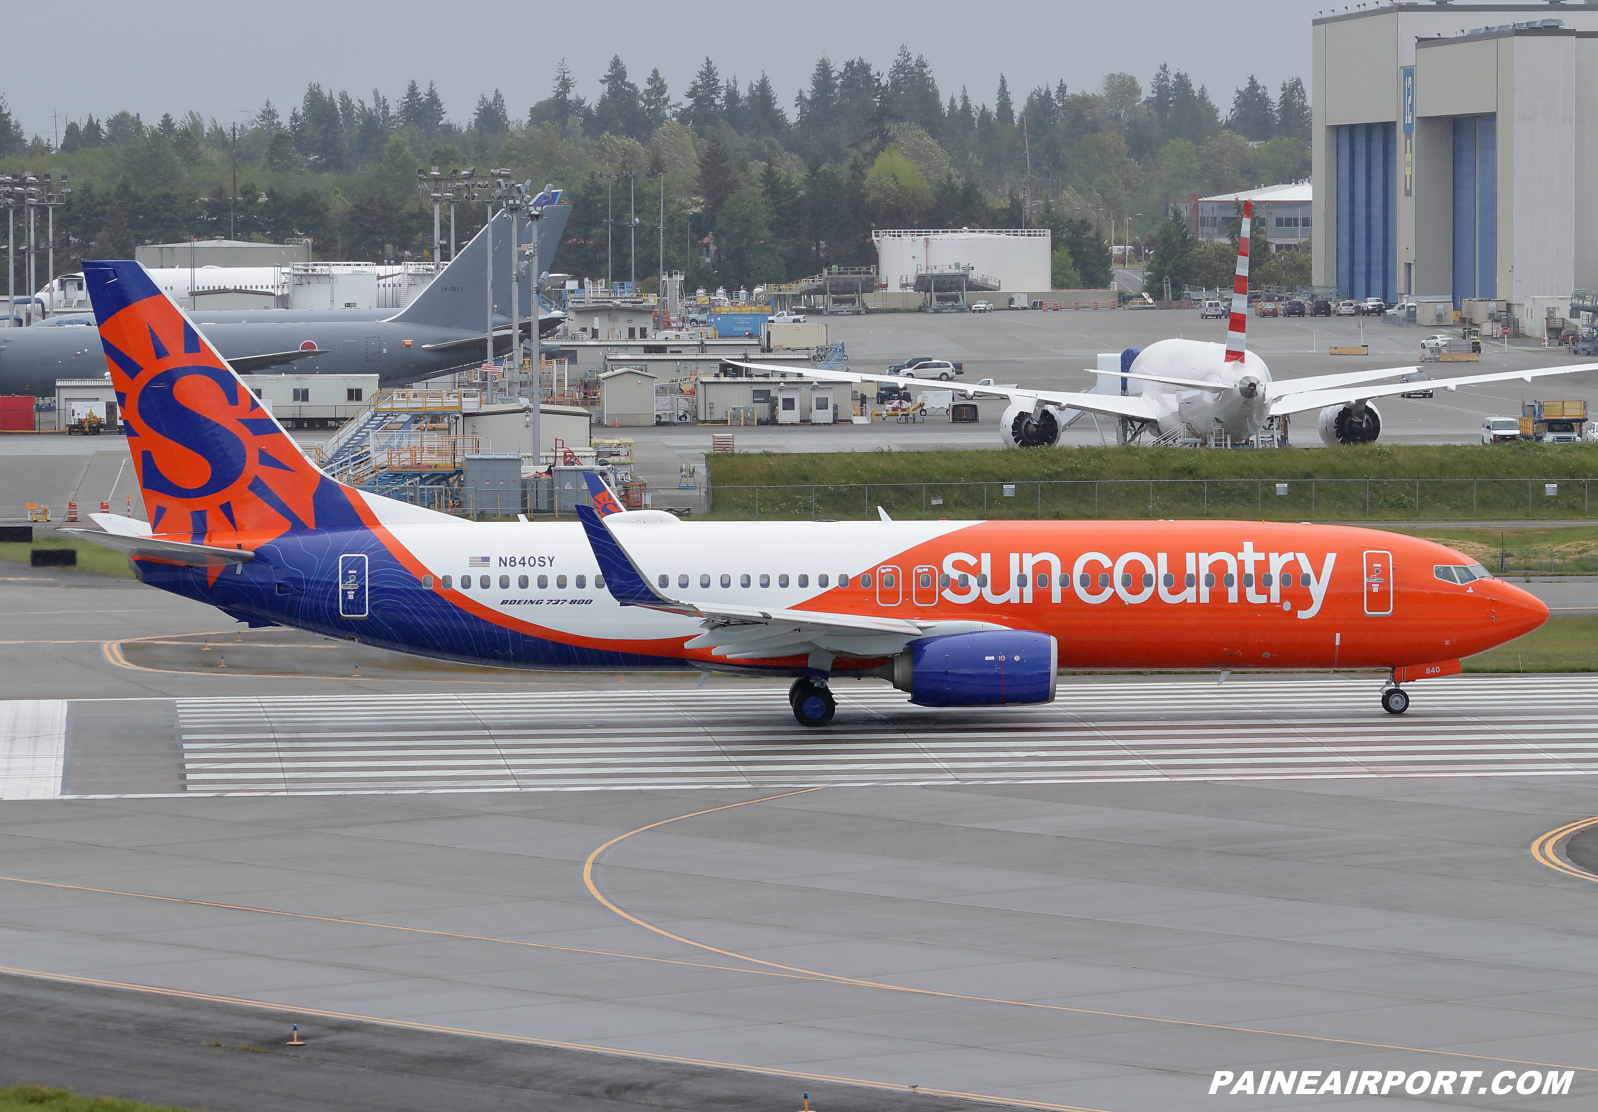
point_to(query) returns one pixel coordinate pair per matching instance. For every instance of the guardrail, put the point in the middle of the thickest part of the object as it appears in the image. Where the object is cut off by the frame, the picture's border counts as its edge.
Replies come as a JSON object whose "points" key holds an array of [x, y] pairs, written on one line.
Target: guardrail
{"points": [[1254, 499]]}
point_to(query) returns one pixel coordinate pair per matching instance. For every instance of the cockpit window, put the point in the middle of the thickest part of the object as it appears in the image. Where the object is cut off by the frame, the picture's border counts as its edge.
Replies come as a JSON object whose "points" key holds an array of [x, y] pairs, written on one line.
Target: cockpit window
{"points": [[1453, 573]]}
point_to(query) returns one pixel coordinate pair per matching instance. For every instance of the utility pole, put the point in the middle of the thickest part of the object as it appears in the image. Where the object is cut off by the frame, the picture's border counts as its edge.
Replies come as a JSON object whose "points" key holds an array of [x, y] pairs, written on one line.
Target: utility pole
{"points": [[488, 231], [660, 286], [610, 227], [232, 209], [9, 199], [632, 220]]}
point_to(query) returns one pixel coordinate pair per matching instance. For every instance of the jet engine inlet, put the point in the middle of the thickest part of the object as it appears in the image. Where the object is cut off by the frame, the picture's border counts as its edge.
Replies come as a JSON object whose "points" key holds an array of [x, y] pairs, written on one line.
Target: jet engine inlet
{"points": [[1345, 424], [1024, 429]]}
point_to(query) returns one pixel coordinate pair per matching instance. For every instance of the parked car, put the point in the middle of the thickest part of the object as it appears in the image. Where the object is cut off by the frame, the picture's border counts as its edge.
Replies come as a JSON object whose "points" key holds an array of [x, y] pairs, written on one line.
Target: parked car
{"points": [[1320, 307], [913, 361], [1348, 308], [1419, 392], [1496, 430], [1268, 309], [969, 394], [1373, 307], [786, 317], [934, 368], [982, 306], [1212, 308], [1293, 309]]}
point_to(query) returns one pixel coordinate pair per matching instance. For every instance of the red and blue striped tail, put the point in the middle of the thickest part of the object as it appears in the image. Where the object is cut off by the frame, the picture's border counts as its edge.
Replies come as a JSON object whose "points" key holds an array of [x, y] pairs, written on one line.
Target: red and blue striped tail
{"points": [[1237, 328]]}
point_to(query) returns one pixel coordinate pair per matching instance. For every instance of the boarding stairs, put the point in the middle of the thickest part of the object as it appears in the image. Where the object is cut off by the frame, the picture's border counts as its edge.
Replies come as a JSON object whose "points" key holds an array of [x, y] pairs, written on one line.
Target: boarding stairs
{"points": [[394, 421]]}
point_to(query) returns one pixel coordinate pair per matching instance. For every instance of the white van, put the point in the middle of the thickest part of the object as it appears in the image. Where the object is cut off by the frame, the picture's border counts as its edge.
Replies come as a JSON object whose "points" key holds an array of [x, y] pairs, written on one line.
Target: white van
{"points": [[1212, 308]]}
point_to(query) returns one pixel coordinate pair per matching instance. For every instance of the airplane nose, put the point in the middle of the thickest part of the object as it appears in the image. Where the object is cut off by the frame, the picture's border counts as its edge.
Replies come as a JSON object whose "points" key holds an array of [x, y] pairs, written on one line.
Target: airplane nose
{"points": [[1518, 611]]}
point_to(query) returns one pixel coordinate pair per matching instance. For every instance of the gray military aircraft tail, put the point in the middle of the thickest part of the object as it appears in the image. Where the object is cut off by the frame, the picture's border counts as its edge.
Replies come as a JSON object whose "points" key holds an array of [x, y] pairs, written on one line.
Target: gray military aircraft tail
{"points": [[443, 328]]}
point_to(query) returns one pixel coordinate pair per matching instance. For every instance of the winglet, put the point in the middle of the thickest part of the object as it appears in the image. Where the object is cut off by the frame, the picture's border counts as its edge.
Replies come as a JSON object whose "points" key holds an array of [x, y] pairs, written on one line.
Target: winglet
{"points": [[605, 502], [625, 582]]}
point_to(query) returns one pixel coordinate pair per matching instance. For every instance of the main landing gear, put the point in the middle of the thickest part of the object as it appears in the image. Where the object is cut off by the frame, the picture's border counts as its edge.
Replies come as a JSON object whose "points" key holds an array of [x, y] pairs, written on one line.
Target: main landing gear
{"points": [[813, 704], [1395, 700]]}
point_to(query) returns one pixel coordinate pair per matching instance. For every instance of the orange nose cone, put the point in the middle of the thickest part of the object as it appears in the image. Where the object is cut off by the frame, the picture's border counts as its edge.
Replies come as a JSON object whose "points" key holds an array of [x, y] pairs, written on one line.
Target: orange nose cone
{"points": [[1519, 612]]}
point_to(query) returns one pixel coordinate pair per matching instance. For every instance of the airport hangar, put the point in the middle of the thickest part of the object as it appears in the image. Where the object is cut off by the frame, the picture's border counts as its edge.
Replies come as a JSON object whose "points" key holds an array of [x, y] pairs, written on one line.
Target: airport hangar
{"points": [[1453, 153]]}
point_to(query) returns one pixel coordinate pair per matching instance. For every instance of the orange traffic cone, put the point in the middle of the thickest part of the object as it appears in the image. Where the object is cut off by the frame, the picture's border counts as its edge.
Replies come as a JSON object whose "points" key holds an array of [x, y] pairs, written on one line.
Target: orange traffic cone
{"points": [[105, 505], [72, 510]]}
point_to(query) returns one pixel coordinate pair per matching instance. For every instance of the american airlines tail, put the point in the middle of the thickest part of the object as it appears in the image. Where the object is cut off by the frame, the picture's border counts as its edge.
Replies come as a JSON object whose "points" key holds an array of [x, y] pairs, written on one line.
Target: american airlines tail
{"points": [[1237, 328]]}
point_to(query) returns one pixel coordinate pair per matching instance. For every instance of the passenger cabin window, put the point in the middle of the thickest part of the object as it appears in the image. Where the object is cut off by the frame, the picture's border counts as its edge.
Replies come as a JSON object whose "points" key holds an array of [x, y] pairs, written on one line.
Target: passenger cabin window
{"points": [[560, 582], [482, 581], [582, 581], [843, 581], [427, 582], [821, 580], [682, 581], [446, 583], [521, 582], [865, 581], [663, 581], [599, 581], [782, 580], [765, 579], [726, 580], [543, 582], [804, 581], [504, 582], [704, 580], [743, 580]]}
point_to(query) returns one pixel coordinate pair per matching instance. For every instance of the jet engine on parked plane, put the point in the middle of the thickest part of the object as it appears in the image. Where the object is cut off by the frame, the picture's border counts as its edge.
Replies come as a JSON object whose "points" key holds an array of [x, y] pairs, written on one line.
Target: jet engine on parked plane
{"points": [[1026, 427], [988, 668], [1350, 424]]}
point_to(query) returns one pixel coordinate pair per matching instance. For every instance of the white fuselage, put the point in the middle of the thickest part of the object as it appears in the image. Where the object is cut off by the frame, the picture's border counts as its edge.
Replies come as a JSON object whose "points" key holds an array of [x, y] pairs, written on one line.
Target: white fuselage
{"points": [[1228, 406]]}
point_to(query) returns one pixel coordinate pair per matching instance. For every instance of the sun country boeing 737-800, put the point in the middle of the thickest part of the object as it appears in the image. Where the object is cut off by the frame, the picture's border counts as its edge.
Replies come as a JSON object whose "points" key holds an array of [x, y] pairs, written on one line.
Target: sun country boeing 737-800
{"points": [[956, 613], [1182, 388]]}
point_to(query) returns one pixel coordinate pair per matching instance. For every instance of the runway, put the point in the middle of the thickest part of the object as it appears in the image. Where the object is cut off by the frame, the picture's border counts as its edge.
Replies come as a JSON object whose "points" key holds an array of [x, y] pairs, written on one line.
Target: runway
{"points": [[476, 887], [1318, 727]]}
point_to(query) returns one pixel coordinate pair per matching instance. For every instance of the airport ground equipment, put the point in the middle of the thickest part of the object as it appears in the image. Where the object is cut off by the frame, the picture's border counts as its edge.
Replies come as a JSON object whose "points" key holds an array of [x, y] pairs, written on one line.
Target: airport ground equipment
{"points": [[1556, 422]]}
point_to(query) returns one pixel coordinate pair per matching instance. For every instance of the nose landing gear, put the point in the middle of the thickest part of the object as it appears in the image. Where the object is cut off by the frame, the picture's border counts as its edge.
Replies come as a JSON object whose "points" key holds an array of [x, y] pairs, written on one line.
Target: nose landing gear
{"points": [[813, 704], [1395, 700]]}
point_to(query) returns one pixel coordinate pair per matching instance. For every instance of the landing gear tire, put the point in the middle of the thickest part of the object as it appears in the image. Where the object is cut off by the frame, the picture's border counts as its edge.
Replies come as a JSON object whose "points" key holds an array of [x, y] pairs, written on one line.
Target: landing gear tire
{"points": [[813, 704], [1395, 700]]}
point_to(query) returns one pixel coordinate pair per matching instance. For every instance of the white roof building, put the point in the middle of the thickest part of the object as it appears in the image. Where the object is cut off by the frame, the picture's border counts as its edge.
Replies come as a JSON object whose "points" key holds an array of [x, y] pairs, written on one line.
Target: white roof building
{"points": [[1285, 209]]}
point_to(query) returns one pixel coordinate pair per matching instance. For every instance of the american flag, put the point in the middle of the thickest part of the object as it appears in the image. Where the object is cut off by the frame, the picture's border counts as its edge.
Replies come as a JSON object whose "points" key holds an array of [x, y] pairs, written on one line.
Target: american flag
{"points": [[477, 561]]}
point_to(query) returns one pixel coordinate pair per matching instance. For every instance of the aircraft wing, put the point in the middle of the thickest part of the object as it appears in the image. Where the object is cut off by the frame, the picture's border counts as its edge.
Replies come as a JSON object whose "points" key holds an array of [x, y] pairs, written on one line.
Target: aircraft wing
{"points": [[247, 364], [752, 632], [1353, 392], [1109, 404], [1282, 388]]}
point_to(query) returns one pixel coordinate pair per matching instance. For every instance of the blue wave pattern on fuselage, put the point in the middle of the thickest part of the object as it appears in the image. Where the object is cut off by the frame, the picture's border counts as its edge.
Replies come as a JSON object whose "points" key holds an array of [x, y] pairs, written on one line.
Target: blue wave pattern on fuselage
{"points": [[402, 615]]}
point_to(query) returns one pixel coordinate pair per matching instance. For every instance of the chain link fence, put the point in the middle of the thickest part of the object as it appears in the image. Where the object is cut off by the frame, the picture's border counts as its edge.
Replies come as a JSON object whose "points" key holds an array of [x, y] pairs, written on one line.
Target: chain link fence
{"points": [[1253, 499]]}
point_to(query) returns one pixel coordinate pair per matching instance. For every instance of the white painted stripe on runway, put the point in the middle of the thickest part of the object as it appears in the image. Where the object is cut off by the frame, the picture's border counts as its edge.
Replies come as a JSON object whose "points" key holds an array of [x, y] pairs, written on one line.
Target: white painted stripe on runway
{"points": [[33, 747], [1097, 731]]}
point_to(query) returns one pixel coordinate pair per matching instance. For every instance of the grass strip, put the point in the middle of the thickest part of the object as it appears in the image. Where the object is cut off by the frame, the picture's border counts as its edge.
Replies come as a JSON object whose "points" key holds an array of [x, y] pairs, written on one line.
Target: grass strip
{"points": [[36, 1098], [93, 558]]}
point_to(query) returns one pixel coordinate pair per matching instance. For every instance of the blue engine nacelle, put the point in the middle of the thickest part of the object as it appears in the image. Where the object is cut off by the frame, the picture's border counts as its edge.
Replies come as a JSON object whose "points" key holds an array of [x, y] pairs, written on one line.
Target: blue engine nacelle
{"points": [[988, 668]]}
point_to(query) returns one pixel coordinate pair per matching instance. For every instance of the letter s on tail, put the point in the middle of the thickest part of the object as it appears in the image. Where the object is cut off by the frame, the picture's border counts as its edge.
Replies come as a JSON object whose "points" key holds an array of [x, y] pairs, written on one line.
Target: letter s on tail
{"points": [[214, 467]]}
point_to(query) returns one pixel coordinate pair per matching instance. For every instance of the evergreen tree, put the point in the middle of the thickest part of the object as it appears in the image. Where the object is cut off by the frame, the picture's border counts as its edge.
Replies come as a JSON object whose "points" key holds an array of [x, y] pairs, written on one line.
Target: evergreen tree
{"points": [[915, 92], [703, 107], [411, 109], [818, 110], [1003, 110], [1161, 96], [71, 137], [764, 114], [656, 100], [122, 128], [168, 126], [267, 119], [620, 110], [716, 179], [968, 116], [1192, 116], [1253, 115], [93, 134], [11, 133], [346, 110], [733, 107], [491, 116], [1293, 111], [432, 110]]}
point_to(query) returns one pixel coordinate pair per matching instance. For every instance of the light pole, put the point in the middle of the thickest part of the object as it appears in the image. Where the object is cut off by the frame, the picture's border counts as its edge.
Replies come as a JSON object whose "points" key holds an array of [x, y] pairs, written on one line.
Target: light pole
{"points": [[428, 183], [8, 198], [632, 221], [53, 199], [660, 282]]}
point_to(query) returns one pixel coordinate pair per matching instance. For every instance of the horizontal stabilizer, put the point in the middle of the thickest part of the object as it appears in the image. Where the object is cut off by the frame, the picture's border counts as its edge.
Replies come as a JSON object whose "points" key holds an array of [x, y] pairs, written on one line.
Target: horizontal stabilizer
{"points": [[167, 549], [248, 364]]}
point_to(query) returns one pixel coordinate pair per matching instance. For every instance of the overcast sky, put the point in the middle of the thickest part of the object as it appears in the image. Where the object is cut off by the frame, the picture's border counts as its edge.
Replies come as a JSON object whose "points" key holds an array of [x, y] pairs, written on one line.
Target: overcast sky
{"points": [[158, 56]]}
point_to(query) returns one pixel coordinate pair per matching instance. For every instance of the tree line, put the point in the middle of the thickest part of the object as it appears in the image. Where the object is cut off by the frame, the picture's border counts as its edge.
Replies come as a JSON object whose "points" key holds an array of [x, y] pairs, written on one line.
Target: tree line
{"points": [[757, 188]]}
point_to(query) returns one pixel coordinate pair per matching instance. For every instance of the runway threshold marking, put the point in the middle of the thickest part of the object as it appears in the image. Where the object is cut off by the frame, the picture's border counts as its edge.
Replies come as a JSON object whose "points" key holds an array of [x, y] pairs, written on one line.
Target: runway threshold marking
{"points": [[527, 1040], [593, 890], [1543, 849]]}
